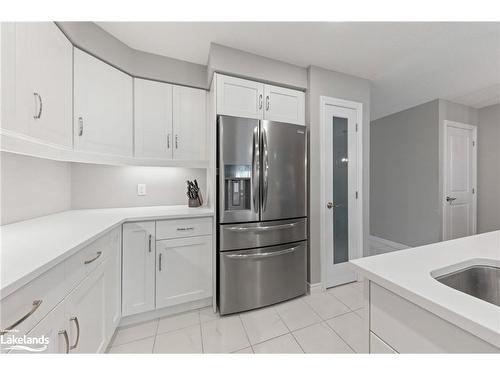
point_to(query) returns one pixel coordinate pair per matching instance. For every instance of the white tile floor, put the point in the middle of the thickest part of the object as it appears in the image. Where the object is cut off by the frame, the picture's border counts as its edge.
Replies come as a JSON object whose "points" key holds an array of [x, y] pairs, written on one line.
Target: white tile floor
{"points": [[329, 322]]}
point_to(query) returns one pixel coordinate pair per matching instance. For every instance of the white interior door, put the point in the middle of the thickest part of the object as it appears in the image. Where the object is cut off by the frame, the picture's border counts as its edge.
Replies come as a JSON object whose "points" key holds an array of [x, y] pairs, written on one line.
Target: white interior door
{"points": [[459, 201], [341, 164]]}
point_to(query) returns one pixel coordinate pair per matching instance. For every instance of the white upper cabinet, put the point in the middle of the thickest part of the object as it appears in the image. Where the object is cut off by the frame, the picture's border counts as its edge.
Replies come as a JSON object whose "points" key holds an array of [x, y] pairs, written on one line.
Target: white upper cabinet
{"points": [[284, 105], [189, 123], [102, 107], [153, 119], [239, 97], [244, 98], [39, 87]]}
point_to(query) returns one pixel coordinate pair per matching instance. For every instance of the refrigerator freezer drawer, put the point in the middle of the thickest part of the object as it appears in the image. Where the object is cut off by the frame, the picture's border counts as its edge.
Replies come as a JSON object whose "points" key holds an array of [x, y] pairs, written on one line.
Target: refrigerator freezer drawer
{"points": [[249, 279], [250, 235]]}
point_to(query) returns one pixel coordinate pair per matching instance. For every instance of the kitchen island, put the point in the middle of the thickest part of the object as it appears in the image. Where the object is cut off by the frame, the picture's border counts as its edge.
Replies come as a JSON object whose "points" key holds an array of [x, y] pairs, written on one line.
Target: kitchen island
{"points": [[409, 311]]}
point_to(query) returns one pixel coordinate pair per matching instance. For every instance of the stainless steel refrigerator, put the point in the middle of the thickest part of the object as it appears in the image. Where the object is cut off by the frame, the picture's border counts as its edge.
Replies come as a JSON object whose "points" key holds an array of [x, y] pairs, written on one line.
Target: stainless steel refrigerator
{"points": [[262, 223]]}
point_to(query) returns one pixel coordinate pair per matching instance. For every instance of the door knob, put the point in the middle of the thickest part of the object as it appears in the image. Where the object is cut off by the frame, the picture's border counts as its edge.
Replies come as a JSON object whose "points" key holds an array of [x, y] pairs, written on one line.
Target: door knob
{"points": [[330, 205], [450, 199]]}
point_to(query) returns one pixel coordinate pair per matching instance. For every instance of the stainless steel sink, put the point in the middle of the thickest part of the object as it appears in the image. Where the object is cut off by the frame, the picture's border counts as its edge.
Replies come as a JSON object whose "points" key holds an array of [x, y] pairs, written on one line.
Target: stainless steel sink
{"points": [[478, 281]]}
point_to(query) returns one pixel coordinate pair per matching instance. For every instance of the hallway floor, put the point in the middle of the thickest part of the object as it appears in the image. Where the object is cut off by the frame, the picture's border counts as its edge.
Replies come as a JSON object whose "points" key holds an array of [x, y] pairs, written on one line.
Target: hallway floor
{"points": [[325, 322]]}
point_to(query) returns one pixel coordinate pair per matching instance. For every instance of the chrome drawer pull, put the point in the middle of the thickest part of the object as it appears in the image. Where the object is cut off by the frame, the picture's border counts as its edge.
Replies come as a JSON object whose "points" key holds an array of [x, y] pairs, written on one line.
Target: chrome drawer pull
{"points": [[261, 229], [94, 258], [185, 228], [66, 338], [75, 319], [35, 306], [37, 115], [150, 237], [263, 255]]}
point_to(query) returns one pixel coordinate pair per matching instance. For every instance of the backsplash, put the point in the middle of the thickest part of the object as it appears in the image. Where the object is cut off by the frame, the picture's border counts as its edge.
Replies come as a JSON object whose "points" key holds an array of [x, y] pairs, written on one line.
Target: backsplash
{"points": [[33, 187], [104, 186]]}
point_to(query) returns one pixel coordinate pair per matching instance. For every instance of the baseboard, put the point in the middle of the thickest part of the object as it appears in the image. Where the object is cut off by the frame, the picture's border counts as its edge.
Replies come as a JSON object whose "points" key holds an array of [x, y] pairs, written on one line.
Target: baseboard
{"points": [[389, 243], [154, 314], [315, 288]]}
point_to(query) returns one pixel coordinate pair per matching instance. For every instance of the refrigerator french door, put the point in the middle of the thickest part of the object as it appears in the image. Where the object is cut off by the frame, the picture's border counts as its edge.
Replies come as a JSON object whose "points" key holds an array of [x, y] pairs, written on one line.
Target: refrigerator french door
{"points": [[262, 230]]}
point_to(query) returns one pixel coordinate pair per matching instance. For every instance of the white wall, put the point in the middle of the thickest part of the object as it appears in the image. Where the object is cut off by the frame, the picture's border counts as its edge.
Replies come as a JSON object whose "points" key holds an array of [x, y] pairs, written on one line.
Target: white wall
{"points": [[322, 82], [32, 187], [243, 64], [93, 39], [488, 174], [104, 186]]}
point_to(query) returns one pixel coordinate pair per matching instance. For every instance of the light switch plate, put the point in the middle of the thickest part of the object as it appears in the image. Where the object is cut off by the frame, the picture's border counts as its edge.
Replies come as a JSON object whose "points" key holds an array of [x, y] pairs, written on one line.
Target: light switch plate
{"points": [[141, 189]]}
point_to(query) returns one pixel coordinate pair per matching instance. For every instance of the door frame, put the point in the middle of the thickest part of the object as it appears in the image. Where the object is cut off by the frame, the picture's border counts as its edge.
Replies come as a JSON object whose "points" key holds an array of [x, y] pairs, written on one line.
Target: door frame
{"points": [[460, 125], [358, 220]]}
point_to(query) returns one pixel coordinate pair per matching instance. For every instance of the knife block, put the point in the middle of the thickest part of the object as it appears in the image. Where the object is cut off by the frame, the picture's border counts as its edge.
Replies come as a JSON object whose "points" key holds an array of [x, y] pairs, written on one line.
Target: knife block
{"points": [[196, 202]]}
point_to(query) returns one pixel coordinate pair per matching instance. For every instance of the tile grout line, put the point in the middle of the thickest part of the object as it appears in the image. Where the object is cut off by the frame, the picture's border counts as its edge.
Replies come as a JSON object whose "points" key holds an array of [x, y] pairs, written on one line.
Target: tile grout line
{"points": [[246, 333], [201, 333], [338, 334], [156, 335]]}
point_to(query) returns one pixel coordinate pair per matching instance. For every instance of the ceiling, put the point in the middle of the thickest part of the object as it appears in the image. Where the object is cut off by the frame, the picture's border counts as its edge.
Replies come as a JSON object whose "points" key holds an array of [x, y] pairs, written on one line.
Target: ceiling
{"points": [[407, 63]]}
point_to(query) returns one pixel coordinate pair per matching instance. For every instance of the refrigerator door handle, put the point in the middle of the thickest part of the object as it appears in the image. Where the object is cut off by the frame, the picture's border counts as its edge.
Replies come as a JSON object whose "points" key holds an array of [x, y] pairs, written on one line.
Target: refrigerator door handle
{"points": [[255, 168], [265, 166]]}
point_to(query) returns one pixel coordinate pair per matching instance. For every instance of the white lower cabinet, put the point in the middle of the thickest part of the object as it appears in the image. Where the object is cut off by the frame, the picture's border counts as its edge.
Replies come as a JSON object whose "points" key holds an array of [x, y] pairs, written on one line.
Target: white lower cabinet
{"points": [[173, 271], [184, 270], [113, 284], [86, 314], [138, 283], [55, 329]]}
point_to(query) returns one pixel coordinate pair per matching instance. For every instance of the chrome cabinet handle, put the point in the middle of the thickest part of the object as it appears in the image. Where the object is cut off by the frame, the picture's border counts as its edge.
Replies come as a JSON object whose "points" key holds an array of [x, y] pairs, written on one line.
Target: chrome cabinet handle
{"points": [[168, 141], [261, 229], [260, 101], [66, 338], [75, 319], [185, 228], [255, 168], [176, 141], [450, 199], [34, 307], [99, 253], [38, 113], [159, 262], [150, 236], [268, 102], [266, 169], [80, 126], [262, 255]]}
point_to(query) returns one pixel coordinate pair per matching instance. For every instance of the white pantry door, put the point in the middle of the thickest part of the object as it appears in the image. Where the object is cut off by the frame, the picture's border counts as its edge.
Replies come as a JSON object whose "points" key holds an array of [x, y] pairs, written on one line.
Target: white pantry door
{"points": [[341, 140], [459, 201]]}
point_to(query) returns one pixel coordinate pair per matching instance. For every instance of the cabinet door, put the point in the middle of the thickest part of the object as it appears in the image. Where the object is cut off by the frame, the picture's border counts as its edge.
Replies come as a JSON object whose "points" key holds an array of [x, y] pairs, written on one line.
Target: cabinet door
{"points": [[44, 73], [102, 107], [54, 328], [239, 97], [113, 284], [184, 270], [152, 119], [138, 286], [189, 123], [86, 313], [284, 105]]}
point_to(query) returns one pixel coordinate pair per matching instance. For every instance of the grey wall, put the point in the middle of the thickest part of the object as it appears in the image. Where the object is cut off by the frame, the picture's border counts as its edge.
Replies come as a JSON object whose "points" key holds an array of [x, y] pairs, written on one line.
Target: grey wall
{"points": [[91, 38], [488, 174], [407, 171], [405, 199], [243, 64], [33, 187], [103, 186], [322, 82]]}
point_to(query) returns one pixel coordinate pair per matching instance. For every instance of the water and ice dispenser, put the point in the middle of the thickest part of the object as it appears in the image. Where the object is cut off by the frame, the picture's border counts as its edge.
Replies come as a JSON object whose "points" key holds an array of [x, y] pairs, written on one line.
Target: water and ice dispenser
{"points": [[237, 187]]}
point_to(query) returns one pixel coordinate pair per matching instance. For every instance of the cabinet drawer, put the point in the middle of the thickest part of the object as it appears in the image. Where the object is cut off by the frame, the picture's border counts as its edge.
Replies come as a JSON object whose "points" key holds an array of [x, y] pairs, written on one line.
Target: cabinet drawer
{"points": [[166, 229], [28, 305], [86, 260]]}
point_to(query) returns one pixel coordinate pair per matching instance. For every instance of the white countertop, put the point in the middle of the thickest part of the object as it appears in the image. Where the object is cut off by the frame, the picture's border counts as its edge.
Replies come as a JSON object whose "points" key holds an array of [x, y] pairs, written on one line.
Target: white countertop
{"points": [[408, 274], [32, 247]]}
